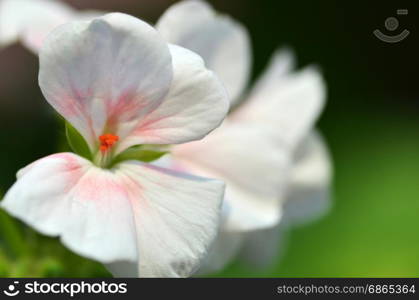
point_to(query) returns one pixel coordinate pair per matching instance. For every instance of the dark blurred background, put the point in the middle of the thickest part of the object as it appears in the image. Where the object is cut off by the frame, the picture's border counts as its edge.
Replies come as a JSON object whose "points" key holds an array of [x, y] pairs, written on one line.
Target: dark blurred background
{"points": [[371, 124]]}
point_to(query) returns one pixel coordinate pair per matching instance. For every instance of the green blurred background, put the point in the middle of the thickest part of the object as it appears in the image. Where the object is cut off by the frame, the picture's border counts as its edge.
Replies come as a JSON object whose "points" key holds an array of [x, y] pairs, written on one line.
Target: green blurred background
{"points": [[371, 124]]}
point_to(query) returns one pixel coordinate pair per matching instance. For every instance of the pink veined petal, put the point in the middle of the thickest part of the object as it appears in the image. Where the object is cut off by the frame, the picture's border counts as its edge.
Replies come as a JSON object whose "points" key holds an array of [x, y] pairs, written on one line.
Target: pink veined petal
{"points": [[222, 42], [105, 74], [163, 220], [290, 104], [195, 105], [30, 21]]}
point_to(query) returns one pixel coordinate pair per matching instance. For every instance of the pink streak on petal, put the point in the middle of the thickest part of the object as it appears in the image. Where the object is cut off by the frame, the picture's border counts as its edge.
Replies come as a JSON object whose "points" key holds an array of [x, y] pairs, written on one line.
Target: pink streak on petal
{"points": [[124, 109], [97, 184]]}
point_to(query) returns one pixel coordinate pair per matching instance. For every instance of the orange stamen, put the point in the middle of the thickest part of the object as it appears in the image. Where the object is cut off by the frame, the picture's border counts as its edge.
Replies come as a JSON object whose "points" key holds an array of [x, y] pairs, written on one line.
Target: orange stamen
{"points": [[107, 141]]}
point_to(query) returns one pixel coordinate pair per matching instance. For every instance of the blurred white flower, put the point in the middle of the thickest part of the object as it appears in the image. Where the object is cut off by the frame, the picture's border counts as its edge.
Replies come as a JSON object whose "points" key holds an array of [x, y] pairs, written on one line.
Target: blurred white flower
{"points": [[29, 21], [276, 167], [120, 84]]}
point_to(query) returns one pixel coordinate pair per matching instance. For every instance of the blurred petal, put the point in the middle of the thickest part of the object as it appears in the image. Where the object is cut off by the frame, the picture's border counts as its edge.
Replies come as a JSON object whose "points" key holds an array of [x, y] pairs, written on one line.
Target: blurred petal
{"points": [[109, 72], [290, 104], [263, 248], [179, 18], [134, 212], [89, 14], [64, 195], [35, 35], [31, 20], [282, 63], [252, 164], [196, 104], [252, 211], [307, 199], [309, 194], [222, 252], [222, 42]]}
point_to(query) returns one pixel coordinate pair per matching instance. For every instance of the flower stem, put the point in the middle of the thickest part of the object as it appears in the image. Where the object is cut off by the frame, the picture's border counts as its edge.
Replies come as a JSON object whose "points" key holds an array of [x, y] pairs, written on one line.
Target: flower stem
{"points": [[12, 236]]}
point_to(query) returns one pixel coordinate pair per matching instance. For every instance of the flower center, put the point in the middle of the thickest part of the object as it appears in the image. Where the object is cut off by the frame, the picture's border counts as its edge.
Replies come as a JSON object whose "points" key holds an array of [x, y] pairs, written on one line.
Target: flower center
{"points": [[107, 141], [104, 155]]}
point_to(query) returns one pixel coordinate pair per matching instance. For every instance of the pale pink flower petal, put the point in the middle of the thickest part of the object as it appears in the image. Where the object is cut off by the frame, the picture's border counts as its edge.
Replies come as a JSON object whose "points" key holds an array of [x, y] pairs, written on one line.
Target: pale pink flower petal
{"points": [[65, 195], [105, 74], [163, 220]]}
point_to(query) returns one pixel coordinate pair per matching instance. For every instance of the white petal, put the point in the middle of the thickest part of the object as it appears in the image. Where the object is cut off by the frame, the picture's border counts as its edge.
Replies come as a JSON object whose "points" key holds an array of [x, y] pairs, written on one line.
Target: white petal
{"points": [[108, 72], [290, 104], [222, 42], [196, 104], [221, 252], [251, 162], [31, 20], [64, 195], [309, 193], [176, 217], [135, 212]]}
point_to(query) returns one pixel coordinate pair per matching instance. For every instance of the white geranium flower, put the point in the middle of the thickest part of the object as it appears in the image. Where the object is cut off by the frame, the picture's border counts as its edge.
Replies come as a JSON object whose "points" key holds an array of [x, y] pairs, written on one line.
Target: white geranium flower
{"points": [[275, 165], [29, 21], [120, 84]]}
